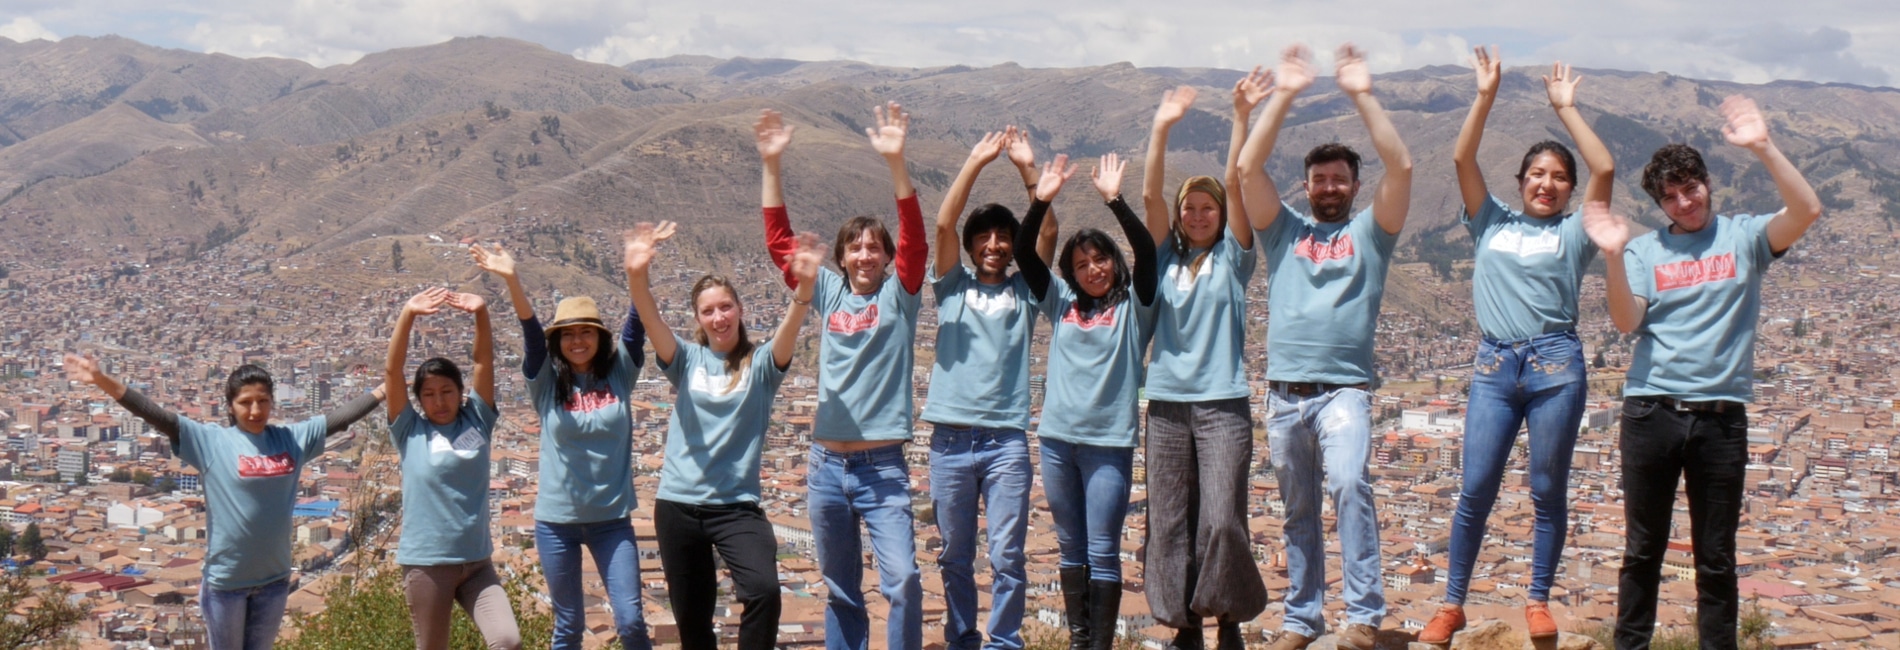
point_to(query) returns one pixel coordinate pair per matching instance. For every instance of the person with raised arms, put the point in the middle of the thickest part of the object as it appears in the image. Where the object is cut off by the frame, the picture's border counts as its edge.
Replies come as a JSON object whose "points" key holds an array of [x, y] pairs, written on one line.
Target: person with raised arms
{"points": [[978, 402], [1529, 368], [709, 494], [586, 479], [1326, 275], [444, 439], [1101, 317], [858, 478], [249, 469], [1691, 293], [1200, 422]]}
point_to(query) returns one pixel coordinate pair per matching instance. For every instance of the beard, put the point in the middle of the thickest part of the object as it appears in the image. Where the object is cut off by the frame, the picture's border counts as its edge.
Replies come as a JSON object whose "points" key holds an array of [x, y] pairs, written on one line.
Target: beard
{"points": [[1330, 208]]}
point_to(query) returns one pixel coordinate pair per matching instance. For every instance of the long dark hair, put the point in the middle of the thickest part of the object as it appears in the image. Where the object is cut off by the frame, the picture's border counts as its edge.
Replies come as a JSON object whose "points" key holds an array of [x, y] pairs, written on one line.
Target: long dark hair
{"points": [[1117, 286], [602, 363], [739, 360], [436, 367], [245, 375]]}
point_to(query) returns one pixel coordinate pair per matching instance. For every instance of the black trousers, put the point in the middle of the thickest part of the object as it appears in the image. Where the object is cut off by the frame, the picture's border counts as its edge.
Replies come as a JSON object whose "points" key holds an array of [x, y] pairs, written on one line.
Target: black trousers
{"points": [[1709, 451], [688, 536]]}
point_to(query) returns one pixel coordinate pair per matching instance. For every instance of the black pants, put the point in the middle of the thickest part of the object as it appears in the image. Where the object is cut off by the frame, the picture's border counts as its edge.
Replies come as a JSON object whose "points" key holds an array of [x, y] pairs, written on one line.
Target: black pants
{"points": [[688, 535], [1710, 452]]}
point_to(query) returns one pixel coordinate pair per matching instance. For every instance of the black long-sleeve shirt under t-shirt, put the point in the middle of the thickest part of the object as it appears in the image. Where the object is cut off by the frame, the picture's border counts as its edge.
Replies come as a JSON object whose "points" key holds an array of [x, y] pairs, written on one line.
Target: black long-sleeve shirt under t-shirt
{"points": [[1037, 274], [166, 422]]}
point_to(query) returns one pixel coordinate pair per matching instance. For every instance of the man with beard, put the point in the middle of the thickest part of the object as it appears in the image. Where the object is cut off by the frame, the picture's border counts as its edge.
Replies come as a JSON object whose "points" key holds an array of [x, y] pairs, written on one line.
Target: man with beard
{"points": [[1326, 273]]}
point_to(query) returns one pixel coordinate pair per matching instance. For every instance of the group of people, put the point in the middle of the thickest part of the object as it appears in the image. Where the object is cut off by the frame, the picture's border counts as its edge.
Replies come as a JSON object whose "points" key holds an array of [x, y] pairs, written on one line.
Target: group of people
{"points": [[1167, 317]]}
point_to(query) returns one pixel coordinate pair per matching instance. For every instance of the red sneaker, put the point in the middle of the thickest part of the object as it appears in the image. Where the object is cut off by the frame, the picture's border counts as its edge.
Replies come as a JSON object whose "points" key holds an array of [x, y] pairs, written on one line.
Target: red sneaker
{"points": [[1537, 617], [1449, 619]]}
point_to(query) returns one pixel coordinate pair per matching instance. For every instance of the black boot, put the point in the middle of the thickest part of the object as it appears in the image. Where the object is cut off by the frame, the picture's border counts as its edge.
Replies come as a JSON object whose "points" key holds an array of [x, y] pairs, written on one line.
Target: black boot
{"points": [[1189, 638], [1075, 598], [1105, 605], [1229, 637]]}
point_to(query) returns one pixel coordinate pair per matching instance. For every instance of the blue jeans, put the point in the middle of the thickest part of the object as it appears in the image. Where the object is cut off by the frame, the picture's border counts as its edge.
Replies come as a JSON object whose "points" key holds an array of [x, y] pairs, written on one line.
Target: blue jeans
{"points": [[1331, 434], [991, 464], [871, 488], [1539, 381], [1087, 489], [244, 619], [618, 561]]}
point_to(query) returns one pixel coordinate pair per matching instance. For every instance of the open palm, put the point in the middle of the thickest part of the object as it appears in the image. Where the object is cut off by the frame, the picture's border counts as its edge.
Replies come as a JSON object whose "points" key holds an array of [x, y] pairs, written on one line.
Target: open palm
{"points": [[1352, 73], [1295, 72], [892, 125], [771, 134], [643, 242], [493, 260]]}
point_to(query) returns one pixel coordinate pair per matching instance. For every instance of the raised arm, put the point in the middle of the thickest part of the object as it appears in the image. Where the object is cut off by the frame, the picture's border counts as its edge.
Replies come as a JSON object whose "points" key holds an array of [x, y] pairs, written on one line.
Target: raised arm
{"points": [[1747, 129], [1393, 199], [1464, 154], [1108, 182], [887, 138], [805, 263], [422, 304], [1154, 198], [639, 247], [484, 374], [772, 135], [1036, 273], [1260, 197], [1611, 232], [948, 243], [1024, 158], [534, 342], [1248, 93], [1561, 86], [85, 370]]}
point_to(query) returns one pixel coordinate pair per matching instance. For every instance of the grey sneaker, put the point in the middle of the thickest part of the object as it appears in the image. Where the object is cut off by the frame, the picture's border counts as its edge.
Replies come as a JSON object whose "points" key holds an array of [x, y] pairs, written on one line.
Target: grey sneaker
{"points": [[1359, 636], [1289, 640]]}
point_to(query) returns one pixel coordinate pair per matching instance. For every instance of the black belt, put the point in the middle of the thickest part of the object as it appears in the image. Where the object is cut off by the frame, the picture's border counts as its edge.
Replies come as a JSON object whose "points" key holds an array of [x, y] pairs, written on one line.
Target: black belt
{"points": [[1709, 406], [1308, 388]]}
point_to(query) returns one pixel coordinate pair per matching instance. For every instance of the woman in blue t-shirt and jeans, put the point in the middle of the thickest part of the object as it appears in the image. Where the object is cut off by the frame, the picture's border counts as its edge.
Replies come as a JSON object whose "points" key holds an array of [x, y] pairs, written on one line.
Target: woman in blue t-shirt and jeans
{"points": [[586, 484], [709, 487], [444, 441], [1529, 368]]}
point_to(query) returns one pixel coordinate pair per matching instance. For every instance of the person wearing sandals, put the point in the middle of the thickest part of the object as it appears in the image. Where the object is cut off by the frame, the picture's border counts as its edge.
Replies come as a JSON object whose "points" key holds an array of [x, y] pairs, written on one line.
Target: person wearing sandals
{"points": [[1529, 372]]}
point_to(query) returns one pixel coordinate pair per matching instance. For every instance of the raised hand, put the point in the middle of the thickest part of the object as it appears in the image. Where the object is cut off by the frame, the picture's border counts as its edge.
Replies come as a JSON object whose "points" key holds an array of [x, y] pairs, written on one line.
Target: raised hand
{"points": [[1607, 229], [888, 136], [1354, 77], [771, 134], [1490, 70], [1250, 90], [1054, 174], [1296, 72], [467, 302], [1561, 86], [82, 369], [428, 302], [1020, 153], [1174, 105], [493, 260], [991, 146], [809, 256], [1108, 176], [642, 241], [1746, 127]]}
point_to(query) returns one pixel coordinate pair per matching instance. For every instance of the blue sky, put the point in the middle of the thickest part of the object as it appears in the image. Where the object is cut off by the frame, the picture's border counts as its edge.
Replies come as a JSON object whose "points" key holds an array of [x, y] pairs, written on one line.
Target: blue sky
{"points": [[1854, 41]]}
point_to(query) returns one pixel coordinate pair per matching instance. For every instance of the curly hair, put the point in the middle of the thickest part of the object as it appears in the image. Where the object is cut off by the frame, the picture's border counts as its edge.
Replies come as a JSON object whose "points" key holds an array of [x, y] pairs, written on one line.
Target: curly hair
{"points": [[1673, 164]]}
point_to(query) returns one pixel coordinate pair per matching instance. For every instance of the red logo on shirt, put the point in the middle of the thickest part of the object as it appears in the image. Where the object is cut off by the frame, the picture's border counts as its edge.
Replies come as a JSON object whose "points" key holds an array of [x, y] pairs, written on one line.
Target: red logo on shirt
{"points": [[1680, 275], [1319, 252], [592, 400], [1075, 317], [266, 466], [848, 323]]}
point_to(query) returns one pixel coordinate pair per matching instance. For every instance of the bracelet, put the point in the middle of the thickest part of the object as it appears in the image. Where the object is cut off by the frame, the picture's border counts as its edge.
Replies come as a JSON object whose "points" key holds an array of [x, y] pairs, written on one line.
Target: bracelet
{"points": [[796, 301]]}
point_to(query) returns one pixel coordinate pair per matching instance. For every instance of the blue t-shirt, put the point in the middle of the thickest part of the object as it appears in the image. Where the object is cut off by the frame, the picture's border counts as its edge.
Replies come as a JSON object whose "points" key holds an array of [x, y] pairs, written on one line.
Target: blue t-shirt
{"points": [[1527, 272], [981, 375], [444, 485], [586, 448], [1200, 332], [1697, 338], [250, 484], [718, 427], [1095, 369], [864, 383], [1324, 283]]}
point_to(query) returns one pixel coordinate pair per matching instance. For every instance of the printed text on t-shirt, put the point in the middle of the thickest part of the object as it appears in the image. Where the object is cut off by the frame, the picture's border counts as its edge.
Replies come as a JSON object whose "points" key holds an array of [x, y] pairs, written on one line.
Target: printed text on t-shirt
{"points": [[1310, 247], [849, 323], [1104, 319], [279, 464], [592, 400], [1689, 273]]}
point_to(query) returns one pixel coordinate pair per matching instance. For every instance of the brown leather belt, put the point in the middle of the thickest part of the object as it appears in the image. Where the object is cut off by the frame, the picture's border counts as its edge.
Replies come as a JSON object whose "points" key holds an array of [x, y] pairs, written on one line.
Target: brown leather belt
{"points": [[1710, 406], [1308, 388]]}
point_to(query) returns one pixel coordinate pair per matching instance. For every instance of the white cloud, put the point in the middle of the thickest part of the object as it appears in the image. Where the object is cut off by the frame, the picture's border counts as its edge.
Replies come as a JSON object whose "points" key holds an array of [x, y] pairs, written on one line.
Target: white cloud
{"points": [[24, 28]]}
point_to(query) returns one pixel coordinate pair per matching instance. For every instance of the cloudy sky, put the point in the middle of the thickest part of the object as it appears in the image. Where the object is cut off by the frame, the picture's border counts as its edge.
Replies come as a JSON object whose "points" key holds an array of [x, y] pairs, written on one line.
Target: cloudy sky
{"points": [[1855, 41]]}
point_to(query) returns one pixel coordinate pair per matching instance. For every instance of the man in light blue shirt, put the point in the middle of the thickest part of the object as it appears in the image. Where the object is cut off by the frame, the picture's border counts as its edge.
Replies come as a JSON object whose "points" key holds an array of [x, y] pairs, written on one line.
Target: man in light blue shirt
{"points": [[1692, 295], [1326, 274]]}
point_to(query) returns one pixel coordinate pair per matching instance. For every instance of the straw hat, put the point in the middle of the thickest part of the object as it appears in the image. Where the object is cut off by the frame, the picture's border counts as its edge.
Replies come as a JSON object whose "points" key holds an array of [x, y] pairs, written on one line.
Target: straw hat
{"points": [[575, 312]]}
